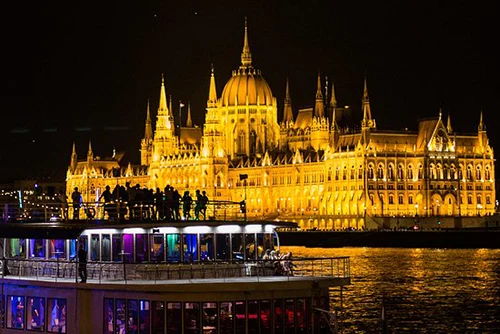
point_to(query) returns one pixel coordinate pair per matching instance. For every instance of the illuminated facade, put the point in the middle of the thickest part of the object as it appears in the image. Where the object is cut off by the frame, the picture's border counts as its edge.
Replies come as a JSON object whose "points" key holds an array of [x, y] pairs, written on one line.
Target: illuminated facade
{"points": [[309, 168]]}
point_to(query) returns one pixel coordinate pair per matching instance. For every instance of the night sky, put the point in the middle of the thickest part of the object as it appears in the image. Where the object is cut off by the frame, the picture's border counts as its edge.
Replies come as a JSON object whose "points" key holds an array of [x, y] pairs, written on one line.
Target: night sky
{"points": [[74, 72]]}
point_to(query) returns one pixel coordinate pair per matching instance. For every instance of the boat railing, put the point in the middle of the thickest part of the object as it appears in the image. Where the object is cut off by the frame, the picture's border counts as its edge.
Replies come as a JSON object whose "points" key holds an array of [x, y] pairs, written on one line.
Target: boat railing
{"points": [[43, 211], [102, 272]]}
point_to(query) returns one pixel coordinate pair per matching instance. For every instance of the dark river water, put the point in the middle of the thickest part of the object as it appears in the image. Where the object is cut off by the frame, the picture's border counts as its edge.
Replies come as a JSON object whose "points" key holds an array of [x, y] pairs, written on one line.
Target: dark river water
{"points": [[424, 290]]}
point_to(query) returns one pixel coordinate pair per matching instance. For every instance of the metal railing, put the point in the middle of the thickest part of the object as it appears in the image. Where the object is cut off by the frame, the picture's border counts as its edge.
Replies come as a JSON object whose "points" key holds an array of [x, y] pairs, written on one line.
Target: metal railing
{"points": [[97, 272], [115, 211]]}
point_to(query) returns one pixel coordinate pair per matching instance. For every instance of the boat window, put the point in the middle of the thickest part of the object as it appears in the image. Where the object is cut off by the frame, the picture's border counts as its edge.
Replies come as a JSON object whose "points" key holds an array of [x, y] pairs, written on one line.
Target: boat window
{"points": [[289, 314], [94, 247], [128, 247], [117, 248], [16, 248], [222, 246], [132, 316], [2, 309], [37, 248], [250, 250], [173, 248], [158, 317], [209, 318], [265, 317], [191, 318], [240, 316], [253, 318], [237, 246], [141, 248], [144, 311], [157, 248], [263, 243], [56, 313], [106, 247], [121, 314], [301, 315], [190, 247], [206, 247], [174, 318], [109, 318], [226, 317], [278, 314], [72, 249], [15, 312], [35, 314]]}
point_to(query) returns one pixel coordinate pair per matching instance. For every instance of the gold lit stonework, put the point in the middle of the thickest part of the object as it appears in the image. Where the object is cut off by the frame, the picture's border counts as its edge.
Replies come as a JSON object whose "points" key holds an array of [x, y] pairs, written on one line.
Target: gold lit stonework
{"points": [[306, 168]]}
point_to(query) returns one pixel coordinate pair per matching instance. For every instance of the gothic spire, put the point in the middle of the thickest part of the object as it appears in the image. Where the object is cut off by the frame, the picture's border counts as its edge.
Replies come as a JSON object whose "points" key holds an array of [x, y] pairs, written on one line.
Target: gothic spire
{"points": [[287, 111], [246, 56], [90, 154], [212, 92], [367, 113], [319, 106], [162, 109], [189, 122], [148, 131], [481, 126], [448, 124], [333, 99]]}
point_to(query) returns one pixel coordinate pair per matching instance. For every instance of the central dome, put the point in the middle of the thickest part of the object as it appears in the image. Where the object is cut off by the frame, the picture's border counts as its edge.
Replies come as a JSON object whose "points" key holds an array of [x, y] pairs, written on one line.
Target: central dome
{"points": [[246, 83]]}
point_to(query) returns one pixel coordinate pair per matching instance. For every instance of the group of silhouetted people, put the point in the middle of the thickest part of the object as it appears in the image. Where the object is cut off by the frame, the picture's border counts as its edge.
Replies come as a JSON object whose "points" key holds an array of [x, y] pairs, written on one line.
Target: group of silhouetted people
{"points": [[144, 203]]}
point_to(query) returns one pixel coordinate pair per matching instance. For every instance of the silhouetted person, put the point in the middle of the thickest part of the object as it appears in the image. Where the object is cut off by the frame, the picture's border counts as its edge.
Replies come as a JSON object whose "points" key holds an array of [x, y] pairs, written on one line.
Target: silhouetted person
{"points": [[199, 205], [186, 205], [108, 197], [76, 197], [204, 203], [82, 264]]}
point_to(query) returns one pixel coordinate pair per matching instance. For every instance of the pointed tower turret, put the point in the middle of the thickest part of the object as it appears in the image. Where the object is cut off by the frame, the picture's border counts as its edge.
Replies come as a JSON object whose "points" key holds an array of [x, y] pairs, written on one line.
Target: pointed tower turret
{"points": [[367, 121], [212, 92], [287, 111], [74, 158], [147, 141], [165, 142], [189, 122], [90, 154], [481, 134], [246, 55], [448, 124], [162, 109], [319, 108], [148, 131]]}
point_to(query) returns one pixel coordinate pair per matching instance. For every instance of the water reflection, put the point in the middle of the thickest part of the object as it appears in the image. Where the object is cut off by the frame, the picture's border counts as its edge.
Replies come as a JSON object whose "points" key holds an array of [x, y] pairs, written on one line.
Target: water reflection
{"points": [[426, 290]]}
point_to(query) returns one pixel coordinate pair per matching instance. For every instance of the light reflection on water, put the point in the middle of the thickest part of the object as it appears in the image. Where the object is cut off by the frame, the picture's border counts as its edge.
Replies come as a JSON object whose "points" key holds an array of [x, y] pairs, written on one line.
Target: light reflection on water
{"points": [[426, 290]]}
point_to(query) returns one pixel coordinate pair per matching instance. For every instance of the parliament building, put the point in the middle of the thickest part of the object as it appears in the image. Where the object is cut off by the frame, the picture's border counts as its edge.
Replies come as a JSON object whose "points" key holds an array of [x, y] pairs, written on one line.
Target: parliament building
{"points": [[310, 168]]}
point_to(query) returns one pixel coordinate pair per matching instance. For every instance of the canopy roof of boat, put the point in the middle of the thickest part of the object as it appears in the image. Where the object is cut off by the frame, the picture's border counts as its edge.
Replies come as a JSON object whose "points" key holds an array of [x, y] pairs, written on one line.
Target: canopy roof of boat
{"points": [[73, 229]]}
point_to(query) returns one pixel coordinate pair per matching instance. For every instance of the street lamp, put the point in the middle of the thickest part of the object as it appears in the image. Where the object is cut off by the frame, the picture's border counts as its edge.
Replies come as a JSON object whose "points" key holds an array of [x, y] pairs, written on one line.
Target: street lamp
{"points": [[243, 204]]}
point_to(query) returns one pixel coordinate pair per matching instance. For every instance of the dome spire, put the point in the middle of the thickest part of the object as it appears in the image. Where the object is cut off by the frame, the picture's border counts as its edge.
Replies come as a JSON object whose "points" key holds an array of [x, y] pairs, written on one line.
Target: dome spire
{"points": [[246, 56], [212, 92], [162, 109]]}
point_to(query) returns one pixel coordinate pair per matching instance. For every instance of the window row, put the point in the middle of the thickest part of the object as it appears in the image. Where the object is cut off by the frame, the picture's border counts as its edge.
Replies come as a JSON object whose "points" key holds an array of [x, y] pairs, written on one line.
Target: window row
{"points": [[258, 316], [33, 313], [139, 248]]}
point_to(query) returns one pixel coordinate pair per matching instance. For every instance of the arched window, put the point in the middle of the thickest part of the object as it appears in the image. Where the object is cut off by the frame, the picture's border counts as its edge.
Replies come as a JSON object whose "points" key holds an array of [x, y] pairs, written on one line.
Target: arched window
{"points": [[344, 173], [360, 172], [353, 172], [241, 142], [460, 172], [487, 174], [400, 172], [439, 171], [469, 172], [469, 199], [253, 142], [420, 171], [337, 174], [391, 199], [478, 172], [390, 172], [479, 201], [488, 200], [432, 171], [370, 171], [453, 172], [410, 172], [410, 199], [401, 199], [380, 171]]}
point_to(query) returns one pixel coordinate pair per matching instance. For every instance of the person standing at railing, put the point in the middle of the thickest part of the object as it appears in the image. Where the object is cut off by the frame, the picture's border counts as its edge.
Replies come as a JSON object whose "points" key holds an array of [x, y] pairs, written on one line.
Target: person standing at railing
{"points": [[199, 204], [186, 205], [106, 195], [176, 202], [204, 204], [76, 197]]}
